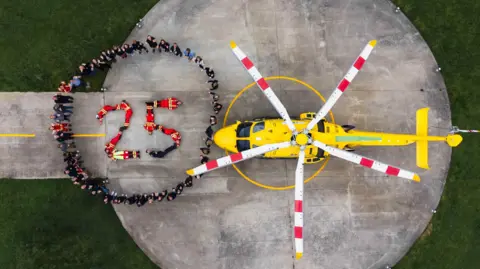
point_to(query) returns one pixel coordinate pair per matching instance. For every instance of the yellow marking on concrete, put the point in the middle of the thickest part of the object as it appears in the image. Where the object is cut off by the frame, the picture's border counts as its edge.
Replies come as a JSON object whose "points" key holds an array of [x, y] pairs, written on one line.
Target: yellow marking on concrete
{"points": [[17, 135], [258, 184], [88, 135], [372, 43]]}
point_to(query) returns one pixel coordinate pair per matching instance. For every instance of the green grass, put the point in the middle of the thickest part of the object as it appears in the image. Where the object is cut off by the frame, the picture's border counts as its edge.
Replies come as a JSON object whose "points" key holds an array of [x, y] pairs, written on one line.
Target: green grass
{"points": [[44, 41], [452, 30], [52, 224]]}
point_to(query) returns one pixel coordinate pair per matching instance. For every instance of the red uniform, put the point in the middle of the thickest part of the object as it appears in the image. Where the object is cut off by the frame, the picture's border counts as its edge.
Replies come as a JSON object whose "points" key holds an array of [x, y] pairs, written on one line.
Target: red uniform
{"points": [[170, 103], [176, 137], [128, 115], [66, 88], [128, 112], [150, 125], [104, 111], [57, 127], [110, 146]]}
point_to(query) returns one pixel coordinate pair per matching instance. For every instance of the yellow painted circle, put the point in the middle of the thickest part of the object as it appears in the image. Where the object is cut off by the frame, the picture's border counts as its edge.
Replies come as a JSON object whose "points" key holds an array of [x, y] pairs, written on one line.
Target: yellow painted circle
{"points": [[275, 188], [301, 139]]}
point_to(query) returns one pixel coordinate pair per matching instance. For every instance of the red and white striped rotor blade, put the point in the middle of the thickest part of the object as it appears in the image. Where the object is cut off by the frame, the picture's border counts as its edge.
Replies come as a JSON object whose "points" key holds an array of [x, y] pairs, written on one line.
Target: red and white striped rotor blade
{"points": [[369, 163], [298, 224], [235, 158], [263, 85], [342, 86]]}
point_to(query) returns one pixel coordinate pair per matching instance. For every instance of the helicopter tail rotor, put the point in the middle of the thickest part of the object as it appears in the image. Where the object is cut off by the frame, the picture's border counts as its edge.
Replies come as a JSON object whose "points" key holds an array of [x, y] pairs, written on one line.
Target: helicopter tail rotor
{"points": [[422, 145]]}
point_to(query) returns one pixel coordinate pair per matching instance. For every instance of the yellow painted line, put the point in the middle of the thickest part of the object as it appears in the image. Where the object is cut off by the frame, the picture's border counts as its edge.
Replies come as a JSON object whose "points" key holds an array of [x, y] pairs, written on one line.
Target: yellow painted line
{"points": [[88, 135], [17, 135], [256, 183]]}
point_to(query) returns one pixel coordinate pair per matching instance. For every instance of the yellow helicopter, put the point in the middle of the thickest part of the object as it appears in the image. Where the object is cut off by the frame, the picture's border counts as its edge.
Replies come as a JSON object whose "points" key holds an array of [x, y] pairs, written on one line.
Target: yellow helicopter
{"points": [[311, 138]]}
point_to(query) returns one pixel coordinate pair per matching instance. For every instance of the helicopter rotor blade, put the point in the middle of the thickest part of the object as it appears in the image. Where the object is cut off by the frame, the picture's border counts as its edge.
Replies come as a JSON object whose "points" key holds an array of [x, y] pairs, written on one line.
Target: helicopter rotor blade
{"points": [[342, 86], [263, 85], [235, 158], [369, 163], [298, 224]]}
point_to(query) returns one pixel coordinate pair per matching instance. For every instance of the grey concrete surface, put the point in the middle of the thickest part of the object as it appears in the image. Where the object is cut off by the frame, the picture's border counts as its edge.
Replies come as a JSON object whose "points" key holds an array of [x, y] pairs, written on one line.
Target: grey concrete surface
{"points": [[354, 217], [39, 157]]}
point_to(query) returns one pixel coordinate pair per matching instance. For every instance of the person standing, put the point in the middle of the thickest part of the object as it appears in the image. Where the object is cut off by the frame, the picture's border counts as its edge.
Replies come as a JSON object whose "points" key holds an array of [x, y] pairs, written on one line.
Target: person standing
{"points": [[213, 120], [210, 72], [77, 82], [55, 127], [199, 61], [215, 96], [162, 195], [128, 49], [65, 135], [60, 117], [152, 42], [64, 87], [189, 54], [62, 99], [214, 84], [59, 108], [217, 107], [64, 146], [209, 132], [203, 159], [176, 50], [172, 195], [189, 182], [164, 45], [138, 46]]}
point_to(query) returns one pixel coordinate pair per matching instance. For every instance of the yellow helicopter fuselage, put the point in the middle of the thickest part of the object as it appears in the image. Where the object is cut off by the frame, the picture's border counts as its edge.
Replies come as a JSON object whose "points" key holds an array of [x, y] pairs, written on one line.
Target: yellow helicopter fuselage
{"points": [[249, 134]]}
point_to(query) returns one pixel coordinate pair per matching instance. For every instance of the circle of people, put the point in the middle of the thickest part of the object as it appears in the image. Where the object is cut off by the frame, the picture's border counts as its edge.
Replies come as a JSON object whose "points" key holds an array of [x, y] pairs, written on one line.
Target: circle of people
{"points": [[62, 129]]}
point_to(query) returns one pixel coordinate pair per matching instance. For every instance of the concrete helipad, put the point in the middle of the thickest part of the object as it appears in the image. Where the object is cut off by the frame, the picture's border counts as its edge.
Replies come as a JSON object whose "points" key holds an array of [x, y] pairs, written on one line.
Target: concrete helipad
{"points": [[354, 217]]}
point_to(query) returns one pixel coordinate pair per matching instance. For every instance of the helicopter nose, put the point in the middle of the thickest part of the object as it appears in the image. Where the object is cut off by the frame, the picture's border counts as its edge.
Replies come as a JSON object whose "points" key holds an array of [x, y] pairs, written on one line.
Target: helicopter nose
{"points": [[225, 138]]}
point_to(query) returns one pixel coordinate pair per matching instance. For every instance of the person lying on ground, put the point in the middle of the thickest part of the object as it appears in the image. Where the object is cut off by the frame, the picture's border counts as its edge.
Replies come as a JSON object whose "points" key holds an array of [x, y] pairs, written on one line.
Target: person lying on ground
{"points": [[159, 153]]}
